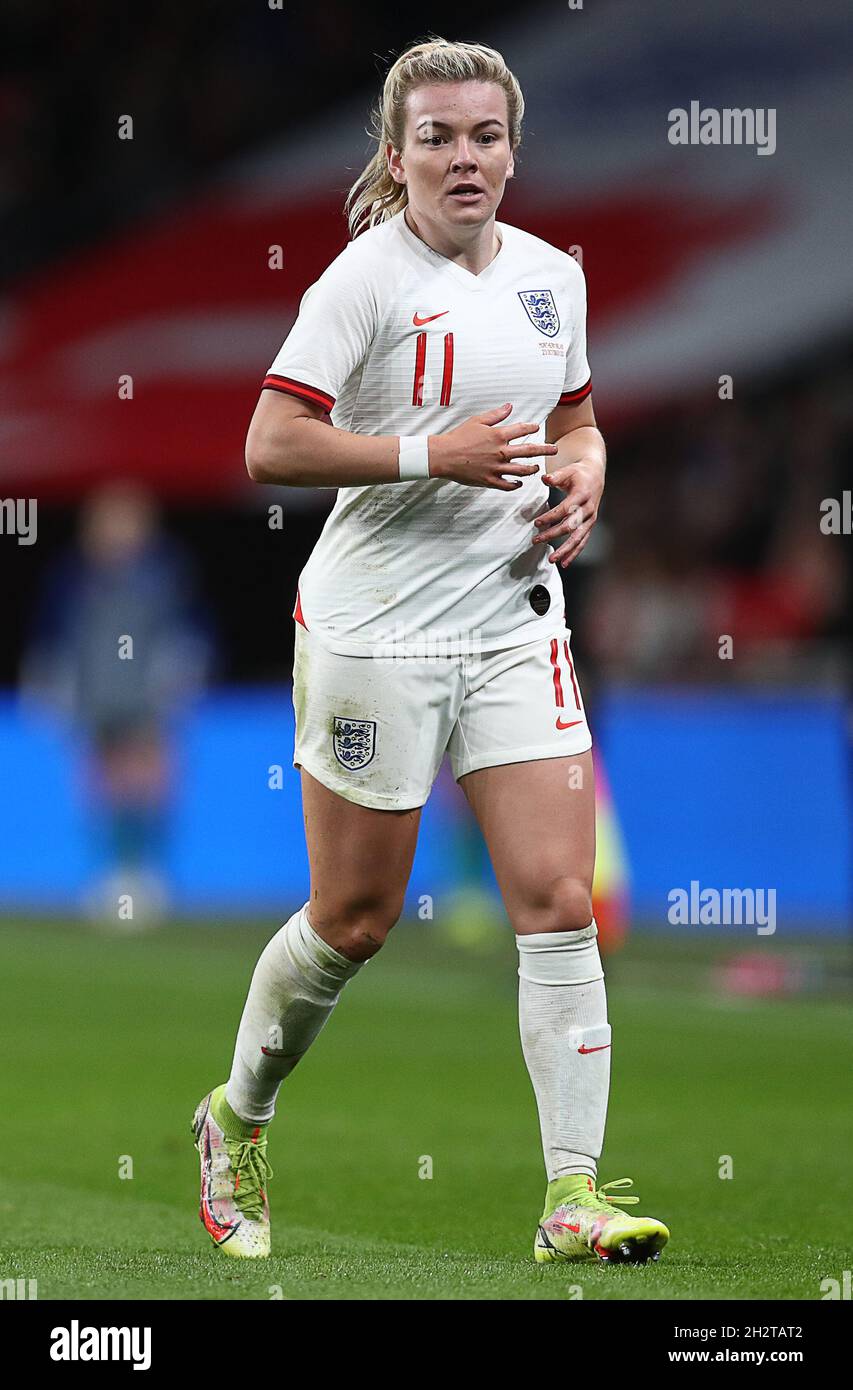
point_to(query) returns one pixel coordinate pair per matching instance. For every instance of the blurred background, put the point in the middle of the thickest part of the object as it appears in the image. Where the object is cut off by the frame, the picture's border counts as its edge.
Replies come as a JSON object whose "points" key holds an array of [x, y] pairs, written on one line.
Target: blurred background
{"points": [[139, 313], [150, 822]]}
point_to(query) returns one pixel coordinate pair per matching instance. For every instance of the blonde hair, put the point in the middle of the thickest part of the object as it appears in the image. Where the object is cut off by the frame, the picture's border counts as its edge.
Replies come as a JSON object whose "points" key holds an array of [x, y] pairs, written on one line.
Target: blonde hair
{"points": [[375, 196]]}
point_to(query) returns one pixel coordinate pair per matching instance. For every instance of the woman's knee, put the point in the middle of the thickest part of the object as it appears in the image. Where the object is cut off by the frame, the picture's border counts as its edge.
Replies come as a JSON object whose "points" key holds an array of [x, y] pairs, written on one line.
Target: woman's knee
{"points": [[560, 904], [356, 924]]}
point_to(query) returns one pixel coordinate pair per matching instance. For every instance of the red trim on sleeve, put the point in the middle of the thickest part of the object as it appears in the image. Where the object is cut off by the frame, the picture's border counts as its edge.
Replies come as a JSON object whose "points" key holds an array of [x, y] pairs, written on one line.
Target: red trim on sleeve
{"points": [[287, 384], [297, 612], [572, 397]]}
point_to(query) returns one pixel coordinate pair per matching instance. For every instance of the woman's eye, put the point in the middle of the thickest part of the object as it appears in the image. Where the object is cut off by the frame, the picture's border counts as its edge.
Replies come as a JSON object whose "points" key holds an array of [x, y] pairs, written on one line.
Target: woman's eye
{"points": [[429, 139]]}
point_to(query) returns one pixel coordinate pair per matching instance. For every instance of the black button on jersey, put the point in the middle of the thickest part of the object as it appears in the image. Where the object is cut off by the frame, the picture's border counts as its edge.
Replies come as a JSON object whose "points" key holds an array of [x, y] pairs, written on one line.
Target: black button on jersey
{"points": [[540, 599]]}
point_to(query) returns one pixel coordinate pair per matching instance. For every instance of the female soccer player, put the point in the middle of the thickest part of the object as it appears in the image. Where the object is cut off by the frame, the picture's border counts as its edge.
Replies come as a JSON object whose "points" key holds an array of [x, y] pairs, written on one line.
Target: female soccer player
{"points": [[430, 618]]}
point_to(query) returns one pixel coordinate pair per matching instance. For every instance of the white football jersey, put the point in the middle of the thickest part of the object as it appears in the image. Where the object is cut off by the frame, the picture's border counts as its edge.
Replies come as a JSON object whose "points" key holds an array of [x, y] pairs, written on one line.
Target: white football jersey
{"points": [[394, 338]]}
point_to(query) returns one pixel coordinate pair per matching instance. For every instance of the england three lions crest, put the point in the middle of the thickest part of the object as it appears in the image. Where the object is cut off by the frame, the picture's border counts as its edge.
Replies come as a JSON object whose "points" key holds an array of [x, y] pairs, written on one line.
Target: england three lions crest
{"points": [[354, 741], [541, 310]]}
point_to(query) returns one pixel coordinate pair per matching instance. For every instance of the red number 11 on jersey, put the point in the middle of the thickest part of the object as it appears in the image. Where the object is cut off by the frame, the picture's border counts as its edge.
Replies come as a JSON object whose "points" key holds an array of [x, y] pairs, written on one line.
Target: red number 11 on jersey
{"points": [[420, 369]]}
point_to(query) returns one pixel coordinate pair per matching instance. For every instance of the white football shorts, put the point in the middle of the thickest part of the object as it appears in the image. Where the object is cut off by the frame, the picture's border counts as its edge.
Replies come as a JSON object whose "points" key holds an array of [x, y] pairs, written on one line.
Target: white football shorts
{"points": [[374, 729]]}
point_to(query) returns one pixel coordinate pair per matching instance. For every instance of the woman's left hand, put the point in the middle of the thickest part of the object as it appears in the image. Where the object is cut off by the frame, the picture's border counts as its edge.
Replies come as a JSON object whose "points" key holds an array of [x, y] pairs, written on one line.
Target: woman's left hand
{"points": [[574, 517]]}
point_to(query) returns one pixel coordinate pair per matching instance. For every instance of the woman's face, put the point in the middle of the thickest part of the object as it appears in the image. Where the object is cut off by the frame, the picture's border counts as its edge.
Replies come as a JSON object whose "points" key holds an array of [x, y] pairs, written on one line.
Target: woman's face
{"points": [[455, 132]]}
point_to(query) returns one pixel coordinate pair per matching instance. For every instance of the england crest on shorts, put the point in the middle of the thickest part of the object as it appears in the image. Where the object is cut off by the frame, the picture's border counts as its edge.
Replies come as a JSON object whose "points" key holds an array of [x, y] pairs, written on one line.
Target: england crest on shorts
{"points": [[354, 741], [541, 310]]}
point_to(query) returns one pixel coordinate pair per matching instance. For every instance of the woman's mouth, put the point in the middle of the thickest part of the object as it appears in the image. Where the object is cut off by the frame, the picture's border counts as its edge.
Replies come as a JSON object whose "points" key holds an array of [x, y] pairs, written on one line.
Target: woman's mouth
{"points": [[467, 196]]}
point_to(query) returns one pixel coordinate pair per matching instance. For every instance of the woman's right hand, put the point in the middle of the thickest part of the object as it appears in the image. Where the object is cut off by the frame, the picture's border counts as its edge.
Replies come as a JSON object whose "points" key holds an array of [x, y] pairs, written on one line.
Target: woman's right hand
{"points": [[479, 452]]}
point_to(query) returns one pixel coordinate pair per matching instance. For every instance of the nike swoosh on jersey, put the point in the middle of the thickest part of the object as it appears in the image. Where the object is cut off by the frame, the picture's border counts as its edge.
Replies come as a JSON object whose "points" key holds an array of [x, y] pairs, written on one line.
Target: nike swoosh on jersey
{"points": [[603, 1048], [570, 725], [428, 318]]}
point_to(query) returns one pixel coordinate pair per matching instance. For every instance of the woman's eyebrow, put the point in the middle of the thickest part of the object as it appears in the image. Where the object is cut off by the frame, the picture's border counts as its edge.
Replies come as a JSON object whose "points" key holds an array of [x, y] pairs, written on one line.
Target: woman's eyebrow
{"points": [[430, 120]]}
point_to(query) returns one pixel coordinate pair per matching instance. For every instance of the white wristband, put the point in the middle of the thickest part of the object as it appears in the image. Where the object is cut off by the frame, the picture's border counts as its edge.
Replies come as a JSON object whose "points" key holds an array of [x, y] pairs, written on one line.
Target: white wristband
{"points": [[414, 457]]}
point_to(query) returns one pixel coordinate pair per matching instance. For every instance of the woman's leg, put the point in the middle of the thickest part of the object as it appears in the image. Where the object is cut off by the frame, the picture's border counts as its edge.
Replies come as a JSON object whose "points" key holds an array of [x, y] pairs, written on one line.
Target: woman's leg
{"points": [[360, 862], [538, 820]]}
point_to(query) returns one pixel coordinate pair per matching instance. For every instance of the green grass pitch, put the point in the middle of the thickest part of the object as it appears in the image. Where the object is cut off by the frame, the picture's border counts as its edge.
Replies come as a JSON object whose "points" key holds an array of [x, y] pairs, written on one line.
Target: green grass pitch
{"points": [[109, 1042]]}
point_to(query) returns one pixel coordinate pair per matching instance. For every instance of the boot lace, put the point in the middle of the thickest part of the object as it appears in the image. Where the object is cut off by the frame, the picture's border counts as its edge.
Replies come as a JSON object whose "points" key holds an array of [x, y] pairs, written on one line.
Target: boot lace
{"points": [[252, 1172], [602, 1197]]}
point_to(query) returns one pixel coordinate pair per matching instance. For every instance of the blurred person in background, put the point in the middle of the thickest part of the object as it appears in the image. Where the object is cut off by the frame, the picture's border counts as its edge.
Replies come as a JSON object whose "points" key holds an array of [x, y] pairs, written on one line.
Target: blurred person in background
{"points": [[120, 643]]}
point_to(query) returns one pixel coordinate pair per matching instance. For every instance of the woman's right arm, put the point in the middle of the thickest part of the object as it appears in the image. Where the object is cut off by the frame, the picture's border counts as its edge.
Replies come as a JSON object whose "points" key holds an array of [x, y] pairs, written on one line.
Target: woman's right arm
{"points": [[289, 442]]}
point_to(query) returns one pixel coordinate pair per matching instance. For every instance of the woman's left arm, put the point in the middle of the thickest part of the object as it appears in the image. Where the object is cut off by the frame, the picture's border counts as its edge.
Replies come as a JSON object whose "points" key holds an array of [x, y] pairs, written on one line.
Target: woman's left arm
{"points": [[578, 471]]}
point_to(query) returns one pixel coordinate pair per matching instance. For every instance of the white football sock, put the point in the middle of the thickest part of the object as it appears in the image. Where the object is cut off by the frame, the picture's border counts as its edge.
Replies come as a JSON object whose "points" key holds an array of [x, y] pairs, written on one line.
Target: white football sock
{"points": [[296, 984], [565, 1038]]}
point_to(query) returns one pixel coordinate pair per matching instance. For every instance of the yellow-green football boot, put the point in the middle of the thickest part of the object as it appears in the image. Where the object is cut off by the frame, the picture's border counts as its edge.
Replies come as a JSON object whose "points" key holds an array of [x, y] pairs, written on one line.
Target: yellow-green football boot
{"points": [[234, 1207], [581, 1222]]}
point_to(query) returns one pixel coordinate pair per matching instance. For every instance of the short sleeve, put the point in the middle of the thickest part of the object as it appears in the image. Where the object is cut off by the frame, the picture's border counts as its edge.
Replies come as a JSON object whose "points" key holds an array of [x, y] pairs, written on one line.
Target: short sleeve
{"points": [[577, 383], [330, 337]]}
